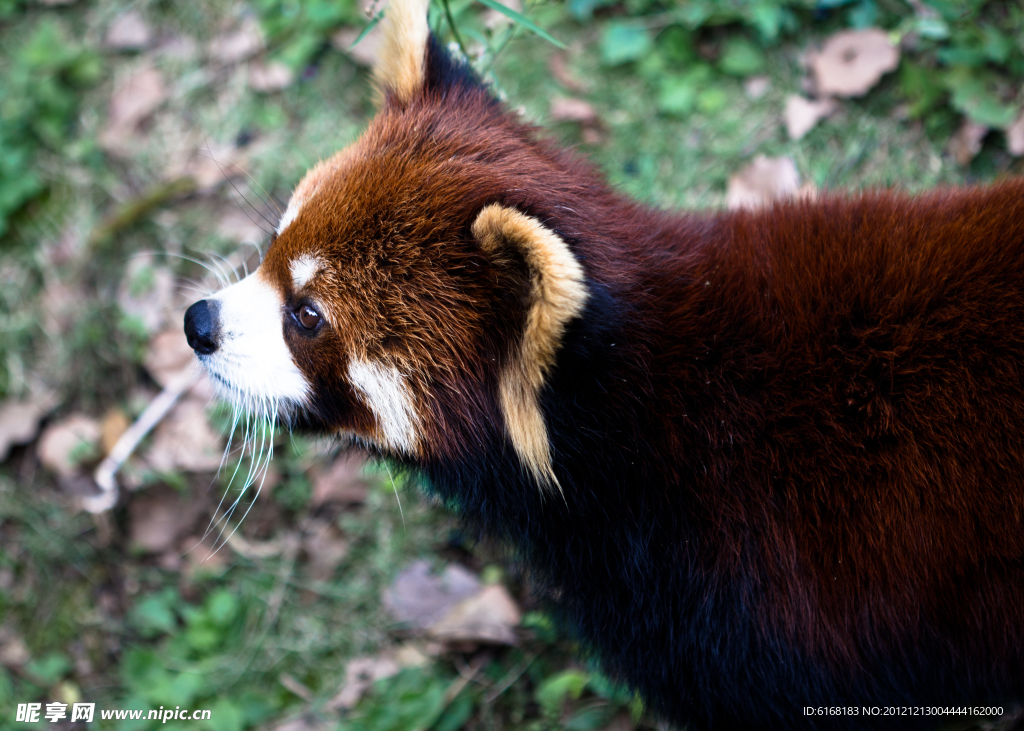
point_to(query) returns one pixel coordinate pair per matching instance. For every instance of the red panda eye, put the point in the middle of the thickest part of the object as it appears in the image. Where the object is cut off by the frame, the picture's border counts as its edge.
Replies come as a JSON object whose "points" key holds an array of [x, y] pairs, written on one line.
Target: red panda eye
{"points": [[308, 317]]}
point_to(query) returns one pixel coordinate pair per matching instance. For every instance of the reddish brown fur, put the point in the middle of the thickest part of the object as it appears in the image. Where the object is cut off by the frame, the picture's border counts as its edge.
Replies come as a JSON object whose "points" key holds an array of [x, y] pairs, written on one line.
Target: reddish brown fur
{"points": [[791, 441]]}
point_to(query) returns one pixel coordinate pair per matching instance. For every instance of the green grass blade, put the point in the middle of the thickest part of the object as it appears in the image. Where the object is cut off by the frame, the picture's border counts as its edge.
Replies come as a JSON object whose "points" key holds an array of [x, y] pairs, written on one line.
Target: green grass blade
{"points": [[522, 20], [369, 26]]}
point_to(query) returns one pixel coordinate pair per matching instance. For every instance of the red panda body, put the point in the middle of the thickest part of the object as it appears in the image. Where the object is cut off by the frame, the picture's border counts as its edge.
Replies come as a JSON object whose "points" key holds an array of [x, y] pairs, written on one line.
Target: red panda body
{"points": [[758, 460]]}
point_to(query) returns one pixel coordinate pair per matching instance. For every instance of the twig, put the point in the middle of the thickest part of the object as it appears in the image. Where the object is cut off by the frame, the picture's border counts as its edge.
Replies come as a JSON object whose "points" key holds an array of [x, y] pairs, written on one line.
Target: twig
{"points": [[135, 210], [512, 676], [107, 470]]}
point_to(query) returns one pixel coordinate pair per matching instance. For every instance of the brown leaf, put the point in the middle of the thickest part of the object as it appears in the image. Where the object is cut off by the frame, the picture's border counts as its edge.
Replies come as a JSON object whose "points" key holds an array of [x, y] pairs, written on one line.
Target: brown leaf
{"points": [[134, 99], [19, 422], [210, 165], [1015, 136], [237, 45], [802, 114], [66, 443], [235, 224], [558, 65], [157, 518], [421, 598], [13, 651], [128, 33], [268, 77], [757, 86], [852, 61], [325, 549], [184, 441], [115, 423], [572, 110], [360, 674], [765, 180], [966, 143], [487, 617], [341, 483], [169, 356], [363, 53], [203, 555]]}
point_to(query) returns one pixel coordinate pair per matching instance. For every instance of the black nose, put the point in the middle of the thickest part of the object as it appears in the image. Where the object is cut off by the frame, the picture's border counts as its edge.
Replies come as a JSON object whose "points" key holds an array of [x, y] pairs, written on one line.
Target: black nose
{"points": [[202, 328]]}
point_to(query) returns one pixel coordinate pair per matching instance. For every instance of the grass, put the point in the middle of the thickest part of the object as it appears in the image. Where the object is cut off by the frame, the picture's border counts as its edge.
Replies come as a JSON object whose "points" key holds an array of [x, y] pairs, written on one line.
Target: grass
{"points": [[85, 615]]}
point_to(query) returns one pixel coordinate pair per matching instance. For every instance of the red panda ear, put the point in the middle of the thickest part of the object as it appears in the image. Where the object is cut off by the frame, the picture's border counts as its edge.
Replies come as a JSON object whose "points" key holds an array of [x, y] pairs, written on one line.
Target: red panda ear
{"points": [[401, 66], [557, 294]]}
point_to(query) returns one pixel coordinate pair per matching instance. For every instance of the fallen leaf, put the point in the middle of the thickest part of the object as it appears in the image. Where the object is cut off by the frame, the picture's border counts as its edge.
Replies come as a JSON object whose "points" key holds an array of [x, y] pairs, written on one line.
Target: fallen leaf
{"points": [[269, 77], [766, 179], [558, 65], [360, 674], [128, 33], [204, 556], [294, 686], [115, 423], [13, 651], [184, 441], [134, 100], [852, 61], [420, 598], [210, 165], [572, 110], [325, 549], [19, 422], [488, 617], [237, 45], [757, 86], [68, 442], [802, 114], [157, 518], [365, 52], [966, 143], [341, 483], [237, 225], [169, 356], [1015, 136]]}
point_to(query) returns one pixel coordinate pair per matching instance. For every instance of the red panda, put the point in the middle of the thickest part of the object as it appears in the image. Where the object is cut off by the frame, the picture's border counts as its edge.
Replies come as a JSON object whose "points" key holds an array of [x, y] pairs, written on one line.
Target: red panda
{"points": [[758, 460]]}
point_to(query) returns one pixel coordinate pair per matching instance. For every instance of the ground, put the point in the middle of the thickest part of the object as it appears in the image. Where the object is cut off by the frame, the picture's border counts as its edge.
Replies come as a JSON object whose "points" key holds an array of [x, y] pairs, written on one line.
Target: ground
{"points": [[147, 148]]}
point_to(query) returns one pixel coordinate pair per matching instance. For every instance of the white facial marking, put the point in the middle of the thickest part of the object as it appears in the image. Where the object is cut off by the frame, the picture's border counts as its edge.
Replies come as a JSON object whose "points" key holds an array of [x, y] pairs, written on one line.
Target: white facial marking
{"points": [[295, 204], [304, 269], [252, 365], [385, 392]]}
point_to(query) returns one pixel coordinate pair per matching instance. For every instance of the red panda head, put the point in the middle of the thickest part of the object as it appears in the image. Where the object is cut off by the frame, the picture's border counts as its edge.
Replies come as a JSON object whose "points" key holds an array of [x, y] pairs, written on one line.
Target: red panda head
{"points": [[416, 291]]}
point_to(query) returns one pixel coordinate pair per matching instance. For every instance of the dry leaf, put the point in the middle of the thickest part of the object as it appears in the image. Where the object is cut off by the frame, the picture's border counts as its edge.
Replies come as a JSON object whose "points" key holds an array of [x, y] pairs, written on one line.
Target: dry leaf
{"points": [[203, 556], [115, 423], [966, 143], [66, 443], [269, 77], [757, 86], [19, 422], [852, 61], [488, 617], [363, 53], [360, 674], [341, 483], [765, 180], [169, 357], [13, 651], [325, 549], [157, 518], [237, 45], [237, 225], [1015, 136], [184, 441], [802, 114], [128, 33], [135, 99], [210, 166], [558, 65], [572, 110], [421, 598]]}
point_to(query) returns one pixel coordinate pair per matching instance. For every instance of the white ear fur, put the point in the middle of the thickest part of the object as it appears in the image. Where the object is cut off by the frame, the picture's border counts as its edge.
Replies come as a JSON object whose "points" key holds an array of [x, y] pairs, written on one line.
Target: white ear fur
{"points": [[401, 65], [557, 295]]}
